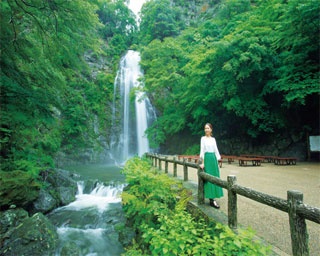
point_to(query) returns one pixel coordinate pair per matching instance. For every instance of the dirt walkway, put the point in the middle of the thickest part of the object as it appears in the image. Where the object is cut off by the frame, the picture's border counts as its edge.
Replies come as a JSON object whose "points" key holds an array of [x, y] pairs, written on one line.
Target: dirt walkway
{"points": [[270, 224]]}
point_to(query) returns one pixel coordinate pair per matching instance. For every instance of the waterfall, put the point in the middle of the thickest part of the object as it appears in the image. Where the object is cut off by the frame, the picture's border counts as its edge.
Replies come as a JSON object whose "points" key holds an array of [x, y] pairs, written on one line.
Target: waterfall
{"points": [[130, 117]]}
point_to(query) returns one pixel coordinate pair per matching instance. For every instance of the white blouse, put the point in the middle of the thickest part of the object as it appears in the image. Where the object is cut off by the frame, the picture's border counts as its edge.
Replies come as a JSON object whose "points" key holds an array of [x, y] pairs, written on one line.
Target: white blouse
{"points": [[208, 144]]}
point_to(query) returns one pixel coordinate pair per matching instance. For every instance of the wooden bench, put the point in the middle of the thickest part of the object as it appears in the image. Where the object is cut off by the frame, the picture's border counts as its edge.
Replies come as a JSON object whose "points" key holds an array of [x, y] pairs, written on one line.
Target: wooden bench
{"points": [[243, 161], [269, 159], [229, 158], [285, 160], [189, 158], [195, 159]]}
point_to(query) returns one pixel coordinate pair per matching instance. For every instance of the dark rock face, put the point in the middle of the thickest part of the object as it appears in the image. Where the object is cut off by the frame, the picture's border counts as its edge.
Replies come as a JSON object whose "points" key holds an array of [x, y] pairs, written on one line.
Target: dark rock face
{"points": [[60, 189], [33, 236], [45, 202], [59, 178], [36, 235]]}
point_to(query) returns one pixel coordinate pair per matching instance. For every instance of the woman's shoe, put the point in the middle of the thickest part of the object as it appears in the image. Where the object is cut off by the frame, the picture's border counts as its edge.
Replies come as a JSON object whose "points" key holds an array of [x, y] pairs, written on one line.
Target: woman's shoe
{"points": [[214, 204]]}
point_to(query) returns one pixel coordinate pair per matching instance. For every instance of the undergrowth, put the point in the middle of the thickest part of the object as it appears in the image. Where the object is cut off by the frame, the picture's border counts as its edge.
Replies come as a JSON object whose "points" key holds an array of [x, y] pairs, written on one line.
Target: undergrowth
{"points": [[164, 227]]}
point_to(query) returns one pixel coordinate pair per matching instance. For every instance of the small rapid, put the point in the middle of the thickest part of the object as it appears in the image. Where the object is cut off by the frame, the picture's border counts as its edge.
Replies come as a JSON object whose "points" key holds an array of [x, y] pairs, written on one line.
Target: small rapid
{"points": [[87, 225]]}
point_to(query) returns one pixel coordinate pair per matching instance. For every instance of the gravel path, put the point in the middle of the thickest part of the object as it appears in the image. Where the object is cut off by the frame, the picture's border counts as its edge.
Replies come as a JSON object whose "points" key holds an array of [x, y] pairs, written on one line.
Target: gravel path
{"points": [[270, 224]]}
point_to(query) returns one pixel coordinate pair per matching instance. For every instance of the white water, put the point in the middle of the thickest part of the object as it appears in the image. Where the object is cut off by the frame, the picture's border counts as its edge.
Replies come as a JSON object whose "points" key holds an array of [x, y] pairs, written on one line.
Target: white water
{"points": [[99, 198], [135, 6], [130, 121], [87, 222]]}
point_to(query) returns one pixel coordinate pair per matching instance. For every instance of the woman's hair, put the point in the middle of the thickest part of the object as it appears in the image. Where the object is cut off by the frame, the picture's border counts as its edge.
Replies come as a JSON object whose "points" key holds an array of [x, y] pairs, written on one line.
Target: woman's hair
{"points": [[210, 125]]}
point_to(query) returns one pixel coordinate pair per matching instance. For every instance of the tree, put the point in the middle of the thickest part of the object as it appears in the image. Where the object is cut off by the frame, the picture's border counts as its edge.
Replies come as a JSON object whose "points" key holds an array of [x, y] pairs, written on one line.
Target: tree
{"points": [[42, 50], [158, 21], [296, 40], [247, 67], [119, 26]]}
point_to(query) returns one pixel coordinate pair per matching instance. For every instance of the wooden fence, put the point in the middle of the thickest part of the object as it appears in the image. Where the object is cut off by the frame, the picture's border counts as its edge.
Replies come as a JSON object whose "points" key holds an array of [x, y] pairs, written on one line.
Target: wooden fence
{"points": [[297, 211]]}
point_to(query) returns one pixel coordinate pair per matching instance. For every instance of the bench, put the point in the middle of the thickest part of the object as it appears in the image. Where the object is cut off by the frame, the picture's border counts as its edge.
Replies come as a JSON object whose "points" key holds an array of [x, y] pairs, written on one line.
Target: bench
{"points": [[269, 159], [243, 161], [189, 158], [229, 158], [195, 159], [285, 160]]}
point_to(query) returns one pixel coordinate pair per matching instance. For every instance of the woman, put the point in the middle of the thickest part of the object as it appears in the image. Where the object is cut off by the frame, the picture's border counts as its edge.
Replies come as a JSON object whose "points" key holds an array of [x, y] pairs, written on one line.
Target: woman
{"points": [[209, 156]]}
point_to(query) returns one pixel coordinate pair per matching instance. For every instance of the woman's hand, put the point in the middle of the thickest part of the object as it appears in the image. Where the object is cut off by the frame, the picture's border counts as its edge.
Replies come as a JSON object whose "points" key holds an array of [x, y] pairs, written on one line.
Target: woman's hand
{"points": [[201, 166]]}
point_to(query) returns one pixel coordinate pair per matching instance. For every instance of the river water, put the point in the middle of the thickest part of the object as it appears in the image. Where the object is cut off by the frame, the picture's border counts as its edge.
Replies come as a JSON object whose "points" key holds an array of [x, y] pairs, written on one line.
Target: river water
{"points": [[87, 225]]}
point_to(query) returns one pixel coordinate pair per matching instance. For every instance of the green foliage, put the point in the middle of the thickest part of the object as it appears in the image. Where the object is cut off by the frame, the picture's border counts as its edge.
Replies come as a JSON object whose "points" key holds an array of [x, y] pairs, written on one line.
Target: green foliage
{"points": [[242, 66], [296, 39], [164, 227], [159, 19], [51, 99], [119, 26], [148, 196], [193, 150]]}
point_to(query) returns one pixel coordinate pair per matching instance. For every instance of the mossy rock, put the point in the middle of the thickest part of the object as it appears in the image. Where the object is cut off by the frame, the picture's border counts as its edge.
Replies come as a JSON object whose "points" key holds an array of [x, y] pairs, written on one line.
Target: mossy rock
{"points": [[11, 218], [18, 188], [34, 236]]}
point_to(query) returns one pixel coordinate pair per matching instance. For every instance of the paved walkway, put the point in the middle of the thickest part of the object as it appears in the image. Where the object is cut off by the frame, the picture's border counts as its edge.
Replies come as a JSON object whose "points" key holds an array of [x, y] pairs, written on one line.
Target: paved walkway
{"points": [[270, 224]]}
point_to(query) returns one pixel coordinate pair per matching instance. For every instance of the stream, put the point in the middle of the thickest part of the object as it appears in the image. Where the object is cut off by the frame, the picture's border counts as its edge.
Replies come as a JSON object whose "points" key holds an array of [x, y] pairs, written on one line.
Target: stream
{"points": [[87, 225]]}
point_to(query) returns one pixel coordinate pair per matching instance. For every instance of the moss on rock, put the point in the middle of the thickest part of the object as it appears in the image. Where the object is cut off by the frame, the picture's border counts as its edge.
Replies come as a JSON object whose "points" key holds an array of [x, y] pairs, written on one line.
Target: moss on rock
{"points": [[33, 236], [18, 188]]}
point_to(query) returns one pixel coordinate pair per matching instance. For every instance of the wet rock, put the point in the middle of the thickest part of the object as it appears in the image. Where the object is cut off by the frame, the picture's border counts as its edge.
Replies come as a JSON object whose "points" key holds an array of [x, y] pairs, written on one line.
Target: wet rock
{"points": [[66, 194], [89, 185], [126, 235], [70, 249], [60, 178], [45, 202], [59, 189], [33, 236]]}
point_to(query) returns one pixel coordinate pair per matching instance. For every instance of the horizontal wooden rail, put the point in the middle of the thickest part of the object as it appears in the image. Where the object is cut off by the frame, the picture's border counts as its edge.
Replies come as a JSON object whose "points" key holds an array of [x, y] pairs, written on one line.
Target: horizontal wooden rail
{"points": [[297, 211]]}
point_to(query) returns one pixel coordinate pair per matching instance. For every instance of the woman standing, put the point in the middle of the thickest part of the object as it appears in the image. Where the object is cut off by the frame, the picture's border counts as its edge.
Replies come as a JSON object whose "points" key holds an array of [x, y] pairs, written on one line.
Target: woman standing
{"points": [[209, 156]]}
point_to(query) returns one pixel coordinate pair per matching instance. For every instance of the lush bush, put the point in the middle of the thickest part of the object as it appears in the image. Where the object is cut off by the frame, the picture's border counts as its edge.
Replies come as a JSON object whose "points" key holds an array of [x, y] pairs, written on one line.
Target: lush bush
{"points": [[164, 227]]}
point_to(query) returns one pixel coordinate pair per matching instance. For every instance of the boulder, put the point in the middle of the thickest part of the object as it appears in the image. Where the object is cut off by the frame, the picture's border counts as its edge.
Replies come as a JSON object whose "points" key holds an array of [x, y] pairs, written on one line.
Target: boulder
{"points": [[11, 218], [60, 178], [18, 188], [33, 236], [66, 194], [70, 249], [45, 202], [59, 189]]}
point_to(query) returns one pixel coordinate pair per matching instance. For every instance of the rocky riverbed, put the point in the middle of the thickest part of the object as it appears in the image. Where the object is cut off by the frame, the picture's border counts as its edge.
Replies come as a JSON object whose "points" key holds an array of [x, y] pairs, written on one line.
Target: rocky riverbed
{"points": [[26, 204]]}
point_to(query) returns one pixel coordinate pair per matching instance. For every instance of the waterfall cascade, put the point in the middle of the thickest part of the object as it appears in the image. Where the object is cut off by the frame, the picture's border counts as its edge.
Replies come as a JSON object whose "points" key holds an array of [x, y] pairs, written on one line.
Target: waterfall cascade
{"points": [[130, 118], [88, 222]]}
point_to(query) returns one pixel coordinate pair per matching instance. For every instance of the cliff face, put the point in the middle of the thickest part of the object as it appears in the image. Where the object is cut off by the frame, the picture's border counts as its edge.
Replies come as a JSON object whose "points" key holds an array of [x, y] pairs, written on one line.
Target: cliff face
{"points": [[194, 10]]}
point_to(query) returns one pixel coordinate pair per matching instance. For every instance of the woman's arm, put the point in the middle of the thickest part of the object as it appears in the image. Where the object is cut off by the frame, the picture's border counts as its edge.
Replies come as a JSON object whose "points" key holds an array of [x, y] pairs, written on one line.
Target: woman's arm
{"points": [[216, 150], [201, 164]]}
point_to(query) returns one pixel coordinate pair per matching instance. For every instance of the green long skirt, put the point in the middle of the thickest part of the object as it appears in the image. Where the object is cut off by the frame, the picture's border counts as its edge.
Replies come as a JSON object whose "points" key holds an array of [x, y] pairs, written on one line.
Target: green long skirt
{"points": [[211, 167]]}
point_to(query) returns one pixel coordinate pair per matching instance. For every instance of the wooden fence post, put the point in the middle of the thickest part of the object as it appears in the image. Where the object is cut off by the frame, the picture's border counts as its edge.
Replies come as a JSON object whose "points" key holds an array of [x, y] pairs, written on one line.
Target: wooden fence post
{"points": [[166, 165], [200, 188], [185, 170], [298, 227], [155, 160], [159, 163], [174, 167], [232, 203]]}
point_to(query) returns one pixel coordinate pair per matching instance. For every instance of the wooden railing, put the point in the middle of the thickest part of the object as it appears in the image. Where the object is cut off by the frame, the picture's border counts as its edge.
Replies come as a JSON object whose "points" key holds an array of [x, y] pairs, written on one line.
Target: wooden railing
{"points": [[297, 211]]}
